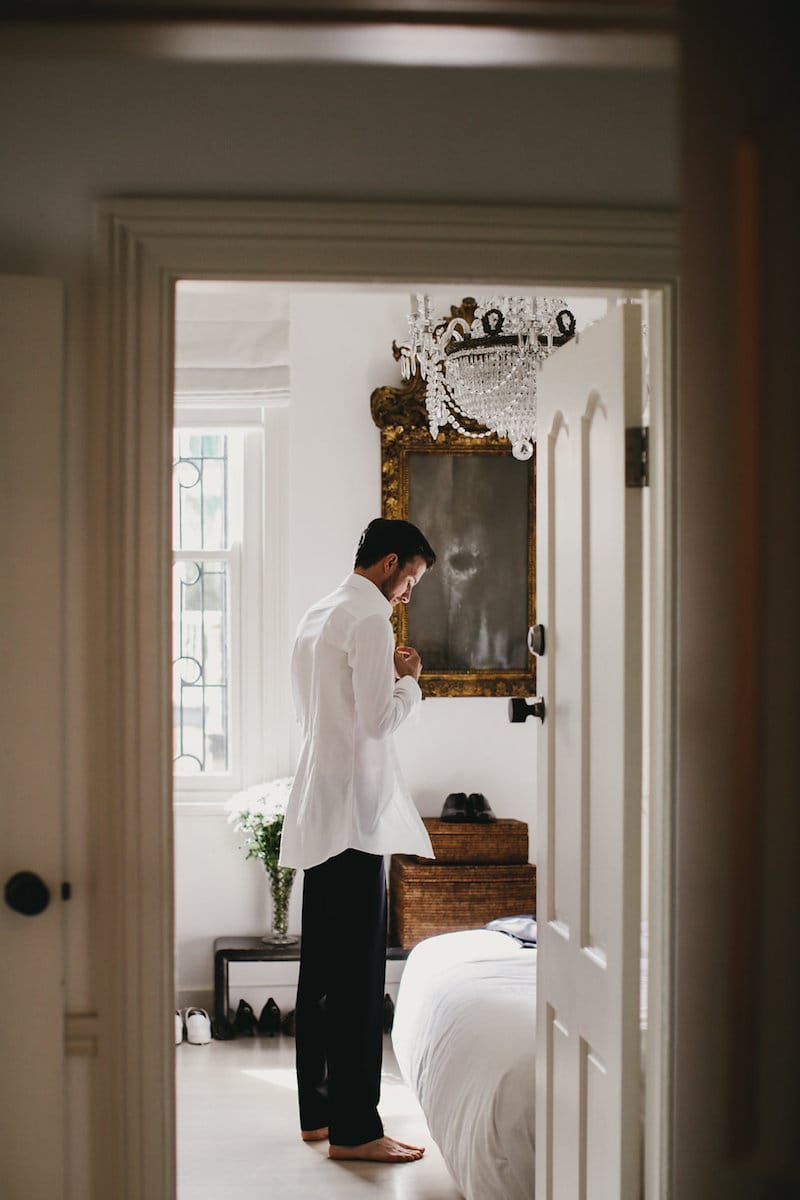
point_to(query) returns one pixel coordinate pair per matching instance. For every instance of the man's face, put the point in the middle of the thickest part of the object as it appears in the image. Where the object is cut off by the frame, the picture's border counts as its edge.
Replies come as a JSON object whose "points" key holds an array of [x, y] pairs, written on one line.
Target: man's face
{"points": [[399, 582]]}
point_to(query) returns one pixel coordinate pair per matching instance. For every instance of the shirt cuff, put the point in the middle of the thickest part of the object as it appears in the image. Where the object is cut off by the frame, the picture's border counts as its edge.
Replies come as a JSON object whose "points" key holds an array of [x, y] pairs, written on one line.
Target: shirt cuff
{"points": [[408, 683]]}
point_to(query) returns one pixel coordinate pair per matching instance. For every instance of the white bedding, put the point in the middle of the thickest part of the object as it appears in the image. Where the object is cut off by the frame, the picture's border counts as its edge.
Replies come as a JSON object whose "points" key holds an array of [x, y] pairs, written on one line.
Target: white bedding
{"points": [[464, 1036]]}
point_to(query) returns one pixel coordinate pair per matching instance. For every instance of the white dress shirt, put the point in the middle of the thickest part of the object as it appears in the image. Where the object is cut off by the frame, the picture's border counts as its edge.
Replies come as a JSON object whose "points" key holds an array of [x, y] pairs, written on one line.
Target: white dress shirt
{"points": [[348, 792]]}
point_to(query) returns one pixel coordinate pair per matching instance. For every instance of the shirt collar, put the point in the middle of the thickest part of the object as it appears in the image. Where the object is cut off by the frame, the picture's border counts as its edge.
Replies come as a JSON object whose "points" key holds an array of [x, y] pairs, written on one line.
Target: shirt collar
{"points": [[370, 592]]}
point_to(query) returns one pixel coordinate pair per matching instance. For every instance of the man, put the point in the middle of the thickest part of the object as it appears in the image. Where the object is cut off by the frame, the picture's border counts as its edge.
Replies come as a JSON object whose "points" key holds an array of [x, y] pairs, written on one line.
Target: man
{"points": [[347, 809]]}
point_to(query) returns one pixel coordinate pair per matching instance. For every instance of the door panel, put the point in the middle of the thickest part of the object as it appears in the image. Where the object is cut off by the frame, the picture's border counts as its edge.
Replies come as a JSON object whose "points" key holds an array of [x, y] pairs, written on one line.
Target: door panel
{"points": [[564, 726], [589, 560], [31, 734]]}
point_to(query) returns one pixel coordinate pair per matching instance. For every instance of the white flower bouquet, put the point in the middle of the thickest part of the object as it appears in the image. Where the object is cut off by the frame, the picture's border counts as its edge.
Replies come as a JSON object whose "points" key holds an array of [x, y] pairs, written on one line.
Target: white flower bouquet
{"points": [[258, 813]]}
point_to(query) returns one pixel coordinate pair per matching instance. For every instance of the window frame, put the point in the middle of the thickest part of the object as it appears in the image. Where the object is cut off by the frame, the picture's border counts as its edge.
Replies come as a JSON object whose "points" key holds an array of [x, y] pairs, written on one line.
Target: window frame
{"points": [[258, 724]]}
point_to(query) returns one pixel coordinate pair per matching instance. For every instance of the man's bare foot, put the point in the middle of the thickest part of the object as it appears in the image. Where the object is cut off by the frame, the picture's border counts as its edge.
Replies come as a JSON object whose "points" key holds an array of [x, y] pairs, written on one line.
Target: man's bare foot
{"points": [[314, 1135], [383, 1149]]}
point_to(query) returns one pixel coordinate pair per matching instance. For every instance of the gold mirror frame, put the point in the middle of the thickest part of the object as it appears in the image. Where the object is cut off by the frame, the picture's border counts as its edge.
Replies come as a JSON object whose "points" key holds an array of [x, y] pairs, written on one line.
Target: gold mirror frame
{"points": [[401, 416]]}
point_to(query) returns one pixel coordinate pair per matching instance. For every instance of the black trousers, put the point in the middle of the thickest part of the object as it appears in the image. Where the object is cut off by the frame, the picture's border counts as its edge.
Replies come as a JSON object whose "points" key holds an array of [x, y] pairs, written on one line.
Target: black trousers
{"points": [[339, 1012]]}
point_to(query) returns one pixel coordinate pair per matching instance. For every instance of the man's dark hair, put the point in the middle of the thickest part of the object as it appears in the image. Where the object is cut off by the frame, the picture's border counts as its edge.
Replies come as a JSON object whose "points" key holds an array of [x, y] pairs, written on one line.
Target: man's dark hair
{"points": [[382, 537]]}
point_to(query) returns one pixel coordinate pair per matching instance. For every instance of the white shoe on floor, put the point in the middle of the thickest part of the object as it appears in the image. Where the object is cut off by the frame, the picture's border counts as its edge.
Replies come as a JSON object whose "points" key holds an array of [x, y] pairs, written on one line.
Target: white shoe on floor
{"points": [[198, 1026], [178, 1027]]}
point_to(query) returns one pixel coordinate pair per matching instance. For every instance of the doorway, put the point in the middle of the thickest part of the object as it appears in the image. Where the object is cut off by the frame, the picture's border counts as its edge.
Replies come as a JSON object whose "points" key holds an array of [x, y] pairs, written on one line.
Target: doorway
{"points": [[264, 372], [335, 243]]}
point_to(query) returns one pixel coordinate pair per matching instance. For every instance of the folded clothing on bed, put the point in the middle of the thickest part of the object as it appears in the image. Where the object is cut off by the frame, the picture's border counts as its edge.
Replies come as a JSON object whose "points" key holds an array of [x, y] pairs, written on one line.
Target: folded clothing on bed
{"points": [[522, 928]]}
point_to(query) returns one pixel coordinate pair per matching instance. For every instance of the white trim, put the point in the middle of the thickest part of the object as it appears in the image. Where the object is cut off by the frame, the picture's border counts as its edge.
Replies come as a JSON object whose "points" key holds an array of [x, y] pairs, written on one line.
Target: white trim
{"points": [[229, 780], [219, 416], [225, 556], [196, 805], [276, 707], [248, 403], [255, 601], [259, 742], [662, 329], [147, 245]]}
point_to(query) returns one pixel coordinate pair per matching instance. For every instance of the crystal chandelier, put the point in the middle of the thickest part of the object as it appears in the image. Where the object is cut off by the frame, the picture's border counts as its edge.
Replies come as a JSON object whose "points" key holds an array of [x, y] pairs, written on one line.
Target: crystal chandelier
{"points": [[480, 366]]}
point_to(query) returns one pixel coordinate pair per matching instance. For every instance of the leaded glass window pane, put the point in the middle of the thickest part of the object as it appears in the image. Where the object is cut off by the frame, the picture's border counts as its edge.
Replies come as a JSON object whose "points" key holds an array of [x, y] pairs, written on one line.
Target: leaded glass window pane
{"points": [[201, 602], [200, 491], [201, 620]]}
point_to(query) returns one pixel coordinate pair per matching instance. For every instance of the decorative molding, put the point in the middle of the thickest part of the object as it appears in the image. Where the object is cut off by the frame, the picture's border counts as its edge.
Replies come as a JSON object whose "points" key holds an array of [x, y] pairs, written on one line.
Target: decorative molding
{"points": [[248, 239], [145, 246], [235, 400], [395, 409]]}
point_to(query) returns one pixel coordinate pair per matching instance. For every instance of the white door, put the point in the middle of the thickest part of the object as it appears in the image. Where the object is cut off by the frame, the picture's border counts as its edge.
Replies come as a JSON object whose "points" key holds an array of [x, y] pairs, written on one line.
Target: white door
{"points": [[590, 676], [31, 738]]}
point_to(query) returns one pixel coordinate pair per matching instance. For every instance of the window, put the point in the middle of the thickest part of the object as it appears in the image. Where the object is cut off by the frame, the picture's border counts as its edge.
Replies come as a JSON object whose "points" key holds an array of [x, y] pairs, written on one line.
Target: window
{"points": [[230, 728], [207, 541]]}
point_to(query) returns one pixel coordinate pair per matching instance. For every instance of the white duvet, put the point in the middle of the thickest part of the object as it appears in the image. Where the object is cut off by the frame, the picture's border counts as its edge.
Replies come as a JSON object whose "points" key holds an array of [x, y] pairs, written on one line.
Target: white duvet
{"points": [[464, 1037]]}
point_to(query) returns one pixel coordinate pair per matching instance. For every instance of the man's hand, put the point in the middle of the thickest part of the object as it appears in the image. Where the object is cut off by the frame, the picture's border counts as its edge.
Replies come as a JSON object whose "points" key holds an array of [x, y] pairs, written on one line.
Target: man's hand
{"points": [[407, 662]]}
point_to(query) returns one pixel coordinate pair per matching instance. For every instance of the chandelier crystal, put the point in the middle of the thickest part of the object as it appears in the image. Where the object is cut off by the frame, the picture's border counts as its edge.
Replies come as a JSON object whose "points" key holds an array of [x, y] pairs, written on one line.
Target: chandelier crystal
{"points": [[481, 366]]}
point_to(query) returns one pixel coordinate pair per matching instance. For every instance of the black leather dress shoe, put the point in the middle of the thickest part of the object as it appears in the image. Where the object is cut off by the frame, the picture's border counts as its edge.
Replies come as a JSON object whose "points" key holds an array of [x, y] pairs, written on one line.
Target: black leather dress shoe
{"points": [[244, 1023], [455, 807], [479, 809], [222, 1029], [269, 1023]]}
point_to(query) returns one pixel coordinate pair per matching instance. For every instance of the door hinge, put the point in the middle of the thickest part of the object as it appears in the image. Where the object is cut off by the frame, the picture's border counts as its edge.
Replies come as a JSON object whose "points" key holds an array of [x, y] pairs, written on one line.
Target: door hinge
{"points": [[637, 461], [66, 891]]}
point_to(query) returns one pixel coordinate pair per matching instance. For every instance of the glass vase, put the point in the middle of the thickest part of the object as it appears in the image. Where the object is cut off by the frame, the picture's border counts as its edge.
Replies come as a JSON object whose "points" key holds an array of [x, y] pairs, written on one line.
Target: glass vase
{"points": [[280, 887]]}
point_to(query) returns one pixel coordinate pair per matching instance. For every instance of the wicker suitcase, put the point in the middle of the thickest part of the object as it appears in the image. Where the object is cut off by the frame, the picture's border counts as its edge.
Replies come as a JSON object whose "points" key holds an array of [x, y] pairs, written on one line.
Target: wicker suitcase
{"points": [[429, 898], [501, 841]]}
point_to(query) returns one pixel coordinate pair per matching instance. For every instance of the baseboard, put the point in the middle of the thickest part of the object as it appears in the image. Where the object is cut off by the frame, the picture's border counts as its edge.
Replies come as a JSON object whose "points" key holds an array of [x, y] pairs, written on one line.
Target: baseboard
{"points": [[195, 998], [285, 996]]}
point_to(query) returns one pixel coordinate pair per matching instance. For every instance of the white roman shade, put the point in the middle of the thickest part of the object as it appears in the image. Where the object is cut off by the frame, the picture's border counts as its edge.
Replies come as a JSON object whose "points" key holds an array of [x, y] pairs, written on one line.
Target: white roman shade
{"points": [[231, 342]]}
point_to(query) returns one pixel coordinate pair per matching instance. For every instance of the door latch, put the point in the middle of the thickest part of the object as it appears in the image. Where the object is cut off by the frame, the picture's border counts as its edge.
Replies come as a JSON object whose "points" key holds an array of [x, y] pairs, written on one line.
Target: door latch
{"points": [[519, 709]]}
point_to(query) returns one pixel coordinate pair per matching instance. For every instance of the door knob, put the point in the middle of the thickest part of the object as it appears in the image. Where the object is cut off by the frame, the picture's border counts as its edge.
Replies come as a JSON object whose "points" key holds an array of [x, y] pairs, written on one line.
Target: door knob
{"points": [[536, 639], [519, 709], [27, 893]]}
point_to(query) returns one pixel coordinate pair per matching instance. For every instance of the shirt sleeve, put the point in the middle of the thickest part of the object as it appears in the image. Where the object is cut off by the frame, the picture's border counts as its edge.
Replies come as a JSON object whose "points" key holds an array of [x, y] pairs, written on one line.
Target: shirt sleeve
{"points": [[382, 703], [297, 688]]}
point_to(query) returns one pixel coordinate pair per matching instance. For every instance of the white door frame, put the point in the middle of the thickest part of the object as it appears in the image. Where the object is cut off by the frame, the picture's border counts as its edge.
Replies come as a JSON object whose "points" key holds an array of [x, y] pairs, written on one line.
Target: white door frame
{"points": [[145, 247]]}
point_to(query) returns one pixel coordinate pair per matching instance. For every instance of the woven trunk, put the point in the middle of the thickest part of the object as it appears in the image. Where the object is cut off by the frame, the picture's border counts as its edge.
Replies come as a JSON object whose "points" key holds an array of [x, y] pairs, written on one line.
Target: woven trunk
{"points": [[501, 841], [429, 898]]}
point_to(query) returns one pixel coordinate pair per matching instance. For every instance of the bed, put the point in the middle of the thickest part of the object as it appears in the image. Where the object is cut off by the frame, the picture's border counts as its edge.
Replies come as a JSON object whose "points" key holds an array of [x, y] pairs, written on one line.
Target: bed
{"points": [[464, 1037]]}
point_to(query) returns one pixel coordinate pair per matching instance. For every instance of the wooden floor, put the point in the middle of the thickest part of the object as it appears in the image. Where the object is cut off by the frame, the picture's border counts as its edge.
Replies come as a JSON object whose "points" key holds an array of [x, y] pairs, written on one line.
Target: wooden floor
{"points": [[238, 1132]]}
